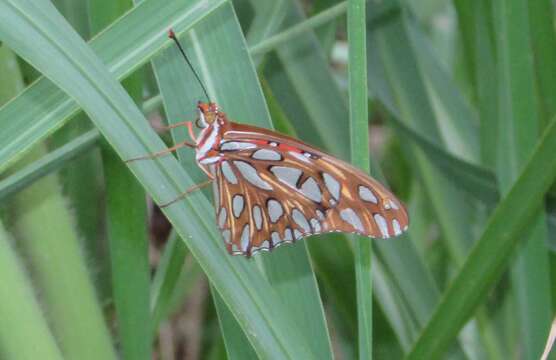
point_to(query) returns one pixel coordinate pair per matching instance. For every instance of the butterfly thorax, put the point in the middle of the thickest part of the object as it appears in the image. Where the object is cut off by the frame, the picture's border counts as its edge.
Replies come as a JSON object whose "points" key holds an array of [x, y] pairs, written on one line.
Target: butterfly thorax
{"points": [[209, 139]]}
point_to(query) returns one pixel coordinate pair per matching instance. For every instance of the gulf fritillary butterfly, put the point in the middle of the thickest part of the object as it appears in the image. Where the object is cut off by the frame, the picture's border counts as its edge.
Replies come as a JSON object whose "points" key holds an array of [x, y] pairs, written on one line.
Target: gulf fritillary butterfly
{"points": [[271, 189]]}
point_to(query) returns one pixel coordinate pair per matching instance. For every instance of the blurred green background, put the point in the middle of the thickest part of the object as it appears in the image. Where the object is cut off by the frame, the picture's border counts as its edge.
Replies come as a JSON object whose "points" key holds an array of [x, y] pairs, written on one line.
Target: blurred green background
{"points": [[449, 103]]}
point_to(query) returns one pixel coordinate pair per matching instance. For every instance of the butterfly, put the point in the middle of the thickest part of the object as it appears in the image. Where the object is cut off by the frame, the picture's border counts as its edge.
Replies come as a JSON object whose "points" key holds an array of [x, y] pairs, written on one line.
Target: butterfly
{"points": [[271, 189]]}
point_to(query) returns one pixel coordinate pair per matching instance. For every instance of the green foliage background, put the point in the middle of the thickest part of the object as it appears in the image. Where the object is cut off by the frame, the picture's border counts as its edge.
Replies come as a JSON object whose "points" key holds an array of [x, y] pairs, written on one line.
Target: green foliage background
{"points": [[461, 99]]}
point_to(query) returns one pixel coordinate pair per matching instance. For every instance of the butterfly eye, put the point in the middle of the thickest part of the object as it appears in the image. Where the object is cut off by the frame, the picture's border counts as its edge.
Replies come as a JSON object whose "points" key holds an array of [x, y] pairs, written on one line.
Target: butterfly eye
{"points": [[198, 124]]}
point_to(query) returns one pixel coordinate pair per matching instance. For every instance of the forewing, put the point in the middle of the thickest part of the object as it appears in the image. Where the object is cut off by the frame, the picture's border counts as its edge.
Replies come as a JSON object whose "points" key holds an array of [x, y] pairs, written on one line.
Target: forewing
{"points": [[274, 191]]}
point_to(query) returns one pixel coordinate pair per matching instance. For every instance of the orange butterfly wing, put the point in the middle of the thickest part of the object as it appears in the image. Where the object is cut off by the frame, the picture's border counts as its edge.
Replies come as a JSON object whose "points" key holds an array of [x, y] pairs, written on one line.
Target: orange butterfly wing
{"points": [[272, 189]]}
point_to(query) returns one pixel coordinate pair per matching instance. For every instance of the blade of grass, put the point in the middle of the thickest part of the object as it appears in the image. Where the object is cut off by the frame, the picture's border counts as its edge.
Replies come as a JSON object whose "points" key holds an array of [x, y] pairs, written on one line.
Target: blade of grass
{"points": [[83, 173], [519, 126], [359, 136], [288, 270], [542, 41], [476, 180], [511, 219], [171, 74], [459, 125], [49, 163], [78, 71], [486, 80], [127, 236], [45, 228], [236, 343], [268, 43], [126, 215], [171, 271], [22, 318]]}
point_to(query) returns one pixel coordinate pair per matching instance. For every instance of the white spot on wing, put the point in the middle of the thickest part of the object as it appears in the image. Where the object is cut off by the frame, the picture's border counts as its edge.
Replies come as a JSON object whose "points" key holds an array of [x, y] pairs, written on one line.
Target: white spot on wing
{"points": [[275, 238], [389, 204], [297, 234], [287, 175], [210, 160], [367, 195], [316, 225], [265, 245], [265, 154], [250, 174], [237, 205], [382, 225], [258, 217], [227, 234], [320, 215], [222, 217], [245, 238], [228, 173], [396, 227], [310, 189], [236, 146], [332, 185], [275, 210], [299, 156], [301, 221], [288, 235], [349, 216]]}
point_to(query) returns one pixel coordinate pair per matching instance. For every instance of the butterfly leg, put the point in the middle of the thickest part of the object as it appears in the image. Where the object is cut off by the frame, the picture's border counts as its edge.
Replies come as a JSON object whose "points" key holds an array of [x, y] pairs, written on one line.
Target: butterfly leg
{"points": [[188, 124], [189, 191], [163, 152]]}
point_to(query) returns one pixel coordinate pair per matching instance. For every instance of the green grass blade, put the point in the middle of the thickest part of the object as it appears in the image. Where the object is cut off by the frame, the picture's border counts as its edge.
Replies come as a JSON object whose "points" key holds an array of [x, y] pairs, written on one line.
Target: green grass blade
{"points": [[22, 318], [126, 214], [49, 163], [79, 72], [214, 59], [237, 344], [359, 136], [542, 40], [511, 219], [124, 47], [459, 125], [127, 236], [172, 74], [59, 267], [166, 279], [519, 126], [321, 18], [485, 78], [476, 180]]}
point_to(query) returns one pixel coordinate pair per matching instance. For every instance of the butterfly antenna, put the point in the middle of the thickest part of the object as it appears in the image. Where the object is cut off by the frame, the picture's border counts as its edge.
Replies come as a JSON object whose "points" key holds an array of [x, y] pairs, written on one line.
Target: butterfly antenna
{"points": [[172, 36]]}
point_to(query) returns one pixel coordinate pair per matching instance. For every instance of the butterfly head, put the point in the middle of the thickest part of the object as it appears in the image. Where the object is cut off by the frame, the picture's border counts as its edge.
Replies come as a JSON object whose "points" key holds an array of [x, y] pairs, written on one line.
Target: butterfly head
{"points": [[208, 114]]}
